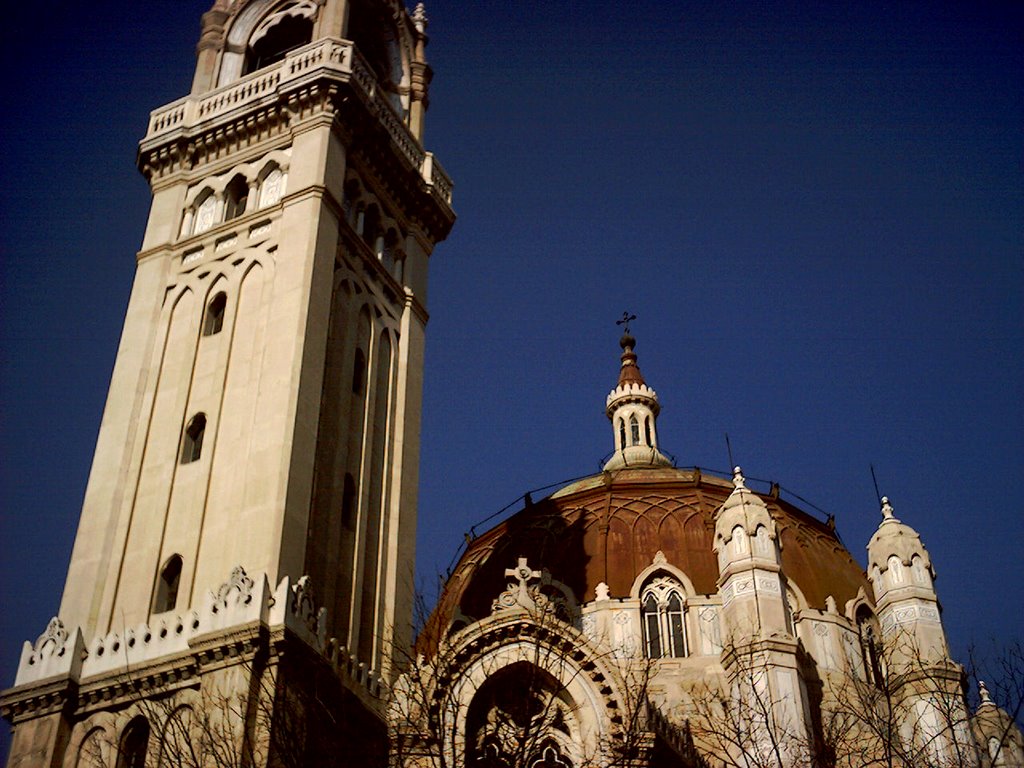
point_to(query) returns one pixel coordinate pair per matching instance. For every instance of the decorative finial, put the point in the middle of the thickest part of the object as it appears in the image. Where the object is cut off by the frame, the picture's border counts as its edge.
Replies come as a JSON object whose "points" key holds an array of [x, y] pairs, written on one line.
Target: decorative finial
{"points": [[983, 692], [887, 510], [419, 18], [738, 480]]}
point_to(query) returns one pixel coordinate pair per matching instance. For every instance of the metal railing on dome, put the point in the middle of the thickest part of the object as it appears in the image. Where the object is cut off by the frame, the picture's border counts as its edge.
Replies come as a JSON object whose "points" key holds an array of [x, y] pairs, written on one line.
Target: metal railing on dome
{"points": [[526, 500]]}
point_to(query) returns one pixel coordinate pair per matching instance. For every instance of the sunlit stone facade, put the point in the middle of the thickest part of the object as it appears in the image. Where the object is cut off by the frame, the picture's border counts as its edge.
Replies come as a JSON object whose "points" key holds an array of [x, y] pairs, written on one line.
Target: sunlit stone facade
{"points": [[250, 516], [240, 591]]}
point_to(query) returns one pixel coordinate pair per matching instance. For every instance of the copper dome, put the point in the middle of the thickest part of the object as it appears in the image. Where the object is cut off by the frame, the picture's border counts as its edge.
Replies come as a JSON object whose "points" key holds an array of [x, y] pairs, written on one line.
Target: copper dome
{"points": [[609, 528]]}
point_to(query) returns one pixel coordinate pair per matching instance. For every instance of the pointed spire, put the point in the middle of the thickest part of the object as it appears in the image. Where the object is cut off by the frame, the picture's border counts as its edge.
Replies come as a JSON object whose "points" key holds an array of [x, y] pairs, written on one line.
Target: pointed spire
{"points": [[629, 372]]}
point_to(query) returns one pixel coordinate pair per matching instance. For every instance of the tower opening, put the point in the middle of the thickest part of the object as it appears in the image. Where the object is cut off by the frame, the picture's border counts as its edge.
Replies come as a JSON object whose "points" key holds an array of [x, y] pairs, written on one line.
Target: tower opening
{"points": [[281, 39], [214, 321], [236, 197], [166, 596], [192, 440]]}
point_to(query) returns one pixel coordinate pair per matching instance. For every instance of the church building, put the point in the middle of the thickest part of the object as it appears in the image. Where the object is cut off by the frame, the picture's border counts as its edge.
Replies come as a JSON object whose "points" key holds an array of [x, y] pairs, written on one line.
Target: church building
{"points": [[240, 590]]}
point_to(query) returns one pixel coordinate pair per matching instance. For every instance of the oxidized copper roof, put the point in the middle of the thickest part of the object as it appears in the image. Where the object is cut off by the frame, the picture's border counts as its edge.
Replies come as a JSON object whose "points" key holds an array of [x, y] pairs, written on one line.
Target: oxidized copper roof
{"points": [[609, 527]]}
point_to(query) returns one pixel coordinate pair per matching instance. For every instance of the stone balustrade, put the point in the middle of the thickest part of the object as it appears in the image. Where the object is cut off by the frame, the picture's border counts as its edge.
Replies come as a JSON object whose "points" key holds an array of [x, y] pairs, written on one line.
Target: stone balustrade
{"points": [[325, 56]]}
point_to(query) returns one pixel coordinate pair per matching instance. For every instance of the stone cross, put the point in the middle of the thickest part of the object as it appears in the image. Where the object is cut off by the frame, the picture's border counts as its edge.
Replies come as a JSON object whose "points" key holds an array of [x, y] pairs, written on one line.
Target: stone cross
{"points": [[523, 573]]}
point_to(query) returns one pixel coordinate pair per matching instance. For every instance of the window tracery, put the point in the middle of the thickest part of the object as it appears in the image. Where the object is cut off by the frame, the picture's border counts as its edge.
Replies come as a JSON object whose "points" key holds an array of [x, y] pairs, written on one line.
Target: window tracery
{"points": [[521, 712], [206, 214], [272, 188], [664, 623]]}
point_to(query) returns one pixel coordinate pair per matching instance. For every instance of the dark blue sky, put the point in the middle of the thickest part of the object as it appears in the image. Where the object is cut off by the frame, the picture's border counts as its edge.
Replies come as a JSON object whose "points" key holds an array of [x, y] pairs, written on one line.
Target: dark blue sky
{"points": [[816, 214]]}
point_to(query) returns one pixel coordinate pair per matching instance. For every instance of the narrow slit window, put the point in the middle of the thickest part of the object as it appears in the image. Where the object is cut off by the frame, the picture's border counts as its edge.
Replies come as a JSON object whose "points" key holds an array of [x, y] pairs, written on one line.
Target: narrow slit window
{"points": [[622, 434], [634, 431], [192, 440], [214, 321], [166, 597], [647, 431], [348, 502]]}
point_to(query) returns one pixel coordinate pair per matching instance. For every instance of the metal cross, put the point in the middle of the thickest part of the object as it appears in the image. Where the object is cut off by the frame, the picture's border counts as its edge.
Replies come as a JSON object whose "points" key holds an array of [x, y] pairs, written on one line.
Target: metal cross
{"points": [[524, 574], [627, 318]]}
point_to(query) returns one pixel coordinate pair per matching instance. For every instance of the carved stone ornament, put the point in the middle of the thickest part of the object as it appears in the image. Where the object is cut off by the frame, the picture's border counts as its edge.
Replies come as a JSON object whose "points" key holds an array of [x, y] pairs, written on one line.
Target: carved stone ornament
{"points": [[601, 591], [303, 605], [238, 580], [55, 633], [659, 558]]}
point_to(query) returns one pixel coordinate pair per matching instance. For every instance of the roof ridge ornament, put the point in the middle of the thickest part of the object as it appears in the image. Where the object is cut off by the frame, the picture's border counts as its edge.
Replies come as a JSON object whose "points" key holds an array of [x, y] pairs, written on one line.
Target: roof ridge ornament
{"points": [[888, 513]]}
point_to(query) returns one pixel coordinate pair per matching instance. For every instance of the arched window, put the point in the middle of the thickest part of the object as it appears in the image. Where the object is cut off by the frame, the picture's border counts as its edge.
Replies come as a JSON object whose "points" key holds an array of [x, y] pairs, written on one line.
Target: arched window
{"points": [[94, 751], [895, 570], [176, 743], [371, 226], [214, 320], [521, 699], [664, 621], [762, 541], [131, 752], [739, 540], [919, 571], [634, 430], [192, 440], [166, 596], [288, 34], [206, 213], [869, 645], [236, 196], [271, 188], [647, 431], [622, 433]]}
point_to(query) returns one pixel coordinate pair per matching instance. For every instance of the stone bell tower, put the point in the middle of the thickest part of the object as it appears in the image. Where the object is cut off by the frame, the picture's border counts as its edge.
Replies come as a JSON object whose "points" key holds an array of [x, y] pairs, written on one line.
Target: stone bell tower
{"points": [[264, 409]]}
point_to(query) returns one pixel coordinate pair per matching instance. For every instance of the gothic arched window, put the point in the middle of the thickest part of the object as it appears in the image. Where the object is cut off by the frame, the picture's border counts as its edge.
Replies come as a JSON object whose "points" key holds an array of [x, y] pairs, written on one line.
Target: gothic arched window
{"points": [[131, 752], [634, 430], [663, 619], [895, 570], [622, 433], [869, 645], [647, 431], [271, 188], [192, 439], [214, 320], [166, 596], [521, 716], [739, 540], [205, 215]]}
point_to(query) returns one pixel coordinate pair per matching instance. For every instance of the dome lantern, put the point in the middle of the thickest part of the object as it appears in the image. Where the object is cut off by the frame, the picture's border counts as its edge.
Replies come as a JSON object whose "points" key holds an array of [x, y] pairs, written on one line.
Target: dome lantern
{"points": [[632, 407]]}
